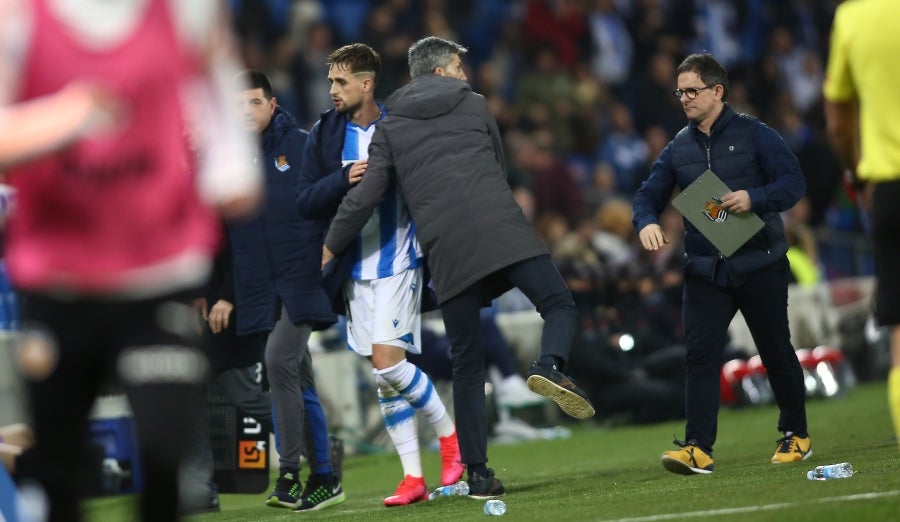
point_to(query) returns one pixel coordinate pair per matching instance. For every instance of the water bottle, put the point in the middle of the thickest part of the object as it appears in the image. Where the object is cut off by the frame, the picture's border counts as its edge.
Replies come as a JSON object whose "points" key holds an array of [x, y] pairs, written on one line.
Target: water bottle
{"points": [[461, 488], [494, 507], [832, 471], [557, 432]]}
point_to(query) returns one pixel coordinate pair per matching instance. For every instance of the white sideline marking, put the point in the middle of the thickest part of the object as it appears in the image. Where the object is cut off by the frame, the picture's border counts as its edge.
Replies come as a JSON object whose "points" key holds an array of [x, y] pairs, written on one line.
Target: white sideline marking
{"points": [[754, 509]]}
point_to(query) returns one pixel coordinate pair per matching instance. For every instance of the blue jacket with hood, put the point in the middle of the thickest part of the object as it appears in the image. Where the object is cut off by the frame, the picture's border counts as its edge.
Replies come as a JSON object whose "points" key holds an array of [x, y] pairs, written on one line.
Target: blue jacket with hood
{"points": [[747, 155], [278, 253], [323, 180]]}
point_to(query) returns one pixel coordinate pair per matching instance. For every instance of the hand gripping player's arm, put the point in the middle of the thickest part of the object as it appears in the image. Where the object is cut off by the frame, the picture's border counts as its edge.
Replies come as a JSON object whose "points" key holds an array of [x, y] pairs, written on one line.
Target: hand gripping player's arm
{"points": [[359, 204]]}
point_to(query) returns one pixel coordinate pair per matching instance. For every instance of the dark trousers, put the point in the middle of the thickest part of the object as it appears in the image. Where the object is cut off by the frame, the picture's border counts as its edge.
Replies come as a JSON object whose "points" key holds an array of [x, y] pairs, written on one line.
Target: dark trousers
{"points": [[436, 361], [539, 279], [87, 343], [708, 310], [885, 219]]}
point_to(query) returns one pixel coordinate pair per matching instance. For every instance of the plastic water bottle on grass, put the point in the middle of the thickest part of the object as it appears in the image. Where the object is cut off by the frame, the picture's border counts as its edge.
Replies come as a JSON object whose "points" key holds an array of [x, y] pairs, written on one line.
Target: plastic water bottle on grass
{"points": [[494, 507], [461, 488], [832, 471]]}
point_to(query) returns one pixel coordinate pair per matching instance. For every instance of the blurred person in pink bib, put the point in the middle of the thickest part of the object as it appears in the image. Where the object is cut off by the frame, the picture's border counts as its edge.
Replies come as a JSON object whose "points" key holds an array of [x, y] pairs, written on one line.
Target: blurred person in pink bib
{"points": [[110, 223]]}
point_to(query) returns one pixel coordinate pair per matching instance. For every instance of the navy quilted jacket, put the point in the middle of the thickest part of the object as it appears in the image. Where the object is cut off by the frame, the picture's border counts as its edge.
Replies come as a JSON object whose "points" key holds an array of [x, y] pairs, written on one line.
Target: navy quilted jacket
{"points": [[747, 155], [277, 253]]}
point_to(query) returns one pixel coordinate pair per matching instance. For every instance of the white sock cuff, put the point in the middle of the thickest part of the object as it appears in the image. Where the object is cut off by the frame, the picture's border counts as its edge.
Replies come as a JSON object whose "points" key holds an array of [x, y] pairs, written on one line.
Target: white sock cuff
{"points": [[385, 389], [399, 375]]}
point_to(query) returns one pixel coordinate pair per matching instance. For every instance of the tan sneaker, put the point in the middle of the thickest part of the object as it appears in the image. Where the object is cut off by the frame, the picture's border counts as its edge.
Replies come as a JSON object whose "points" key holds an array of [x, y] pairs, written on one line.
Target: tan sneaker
{"points": [[688, 460], [791, 448]]}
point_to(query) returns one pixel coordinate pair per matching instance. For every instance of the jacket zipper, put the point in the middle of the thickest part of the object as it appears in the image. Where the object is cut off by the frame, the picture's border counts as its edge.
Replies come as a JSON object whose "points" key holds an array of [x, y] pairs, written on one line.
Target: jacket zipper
{"points": [[709, 167]]}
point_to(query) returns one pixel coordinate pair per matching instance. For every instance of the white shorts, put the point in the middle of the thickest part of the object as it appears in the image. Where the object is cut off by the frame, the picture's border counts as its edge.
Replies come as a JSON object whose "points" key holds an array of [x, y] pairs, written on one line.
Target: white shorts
{"points": [[385, 311]]}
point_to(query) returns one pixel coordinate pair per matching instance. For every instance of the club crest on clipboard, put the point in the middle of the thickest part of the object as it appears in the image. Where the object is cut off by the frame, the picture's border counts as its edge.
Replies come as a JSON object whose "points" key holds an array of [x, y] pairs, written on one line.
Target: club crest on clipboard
{"points": [[713, 210]]}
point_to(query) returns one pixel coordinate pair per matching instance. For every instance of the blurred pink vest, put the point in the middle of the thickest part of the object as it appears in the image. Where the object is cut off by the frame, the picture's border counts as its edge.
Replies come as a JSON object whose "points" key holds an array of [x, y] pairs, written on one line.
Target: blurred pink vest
{"points": [[100, 215]]}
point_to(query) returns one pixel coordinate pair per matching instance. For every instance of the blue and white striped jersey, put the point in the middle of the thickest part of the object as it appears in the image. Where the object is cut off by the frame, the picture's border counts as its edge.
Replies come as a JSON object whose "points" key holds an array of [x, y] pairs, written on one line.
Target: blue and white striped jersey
{"points": [[387, 244]]}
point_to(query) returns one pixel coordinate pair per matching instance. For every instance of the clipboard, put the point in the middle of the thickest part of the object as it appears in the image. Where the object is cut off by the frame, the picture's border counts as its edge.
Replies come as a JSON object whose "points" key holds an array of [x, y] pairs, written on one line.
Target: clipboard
{"points": [[699, 204]]}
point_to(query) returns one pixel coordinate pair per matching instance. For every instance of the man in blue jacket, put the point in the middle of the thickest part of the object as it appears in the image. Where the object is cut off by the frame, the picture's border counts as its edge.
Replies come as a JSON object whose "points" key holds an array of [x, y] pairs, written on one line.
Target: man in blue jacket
{"points": [[765, 176], [278, 289]]}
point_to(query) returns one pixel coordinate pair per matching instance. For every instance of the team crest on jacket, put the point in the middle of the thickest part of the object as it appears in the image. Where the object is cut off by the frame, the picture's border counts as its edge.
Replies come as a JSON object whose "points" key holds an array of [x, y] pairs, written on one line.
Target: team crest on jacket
{"points": [[713, 210], [281, 163]]}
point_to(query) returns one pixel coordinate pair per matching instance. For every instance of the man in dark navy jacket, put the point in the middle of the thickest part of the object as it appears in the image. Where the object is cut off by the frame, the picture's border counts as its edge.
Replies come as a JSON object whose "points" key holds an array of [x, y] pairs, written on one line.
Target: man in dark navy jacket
{"points": [[278, 289], [765, 176]]}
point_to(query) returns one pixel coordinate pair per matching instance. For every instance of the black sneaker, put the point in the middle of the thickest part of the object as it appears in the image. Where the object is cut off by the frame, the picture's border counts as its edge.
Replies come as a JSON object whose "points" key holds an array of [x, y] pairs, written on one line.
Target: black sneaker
{"points": [[337, 456], [485, 487], [319, 495], [551, 383], [286, 492]]}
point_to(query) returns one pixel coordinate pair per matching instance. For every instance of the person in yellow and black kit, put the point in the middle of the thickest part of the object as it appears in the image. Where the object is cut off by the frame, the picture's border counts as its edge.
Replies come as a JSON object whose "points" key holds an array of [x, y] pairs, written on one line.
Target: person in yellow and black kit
{"points": [[862, 111], [754, 161]]}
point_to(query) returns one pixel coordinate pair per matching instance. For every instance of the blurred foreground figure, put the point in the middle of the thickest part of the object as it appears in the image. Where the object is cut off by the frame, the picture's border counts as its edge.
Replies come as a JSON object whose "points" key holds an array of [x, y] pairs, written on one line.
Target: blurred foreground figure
{"points": [[110, 224]]}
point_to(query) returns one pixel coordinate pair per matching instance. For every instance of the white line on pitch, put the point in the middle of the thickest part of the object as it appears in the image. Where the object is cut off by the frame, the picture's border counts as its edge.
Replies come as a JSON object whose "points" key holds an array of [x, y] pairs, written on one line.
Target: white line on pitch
{"points": [[754, 509]]}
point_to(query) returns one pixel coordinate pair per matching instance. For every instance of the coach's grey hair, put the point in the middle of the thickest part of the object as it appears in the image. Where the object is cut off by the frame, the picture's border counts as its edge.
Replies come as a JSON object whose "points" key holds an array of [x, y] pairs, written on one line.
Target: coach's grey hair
{"points": [[431, 52]]}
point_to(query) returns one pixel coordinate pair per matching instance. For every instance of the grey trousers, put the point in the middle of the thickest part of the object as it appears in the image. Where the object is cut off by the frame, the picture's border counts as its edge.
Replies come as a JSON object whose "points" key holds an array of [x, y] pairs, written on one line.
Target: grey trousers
{"points": [[289, 369]]}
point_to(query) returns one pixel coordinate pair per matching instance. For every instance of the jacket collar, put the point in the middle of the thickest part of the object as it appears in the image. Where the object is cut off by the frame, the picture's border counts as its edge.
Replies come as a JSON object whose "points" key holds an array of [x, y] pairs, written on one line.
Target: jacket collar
{"points": [[282, 122], [721, 121], [343, 118]]}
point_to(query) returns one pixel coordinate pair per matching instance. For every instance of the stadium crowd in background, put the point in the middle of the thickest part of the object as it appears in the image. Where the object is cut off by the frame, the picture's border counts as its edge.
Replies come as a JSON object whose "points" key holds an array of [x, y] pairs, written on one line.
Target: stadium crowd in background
{"points": [[588, 81]]}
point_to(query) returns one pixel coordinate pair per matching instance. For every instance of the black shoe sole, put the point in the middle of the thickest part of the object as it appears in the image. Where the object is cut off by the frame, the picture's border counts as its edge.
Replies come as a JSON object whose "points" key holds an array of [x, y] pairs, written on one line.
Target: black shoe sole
{"points": [[499, 491], [571, 403], [333, 501], [274, 502], [486, 496]]}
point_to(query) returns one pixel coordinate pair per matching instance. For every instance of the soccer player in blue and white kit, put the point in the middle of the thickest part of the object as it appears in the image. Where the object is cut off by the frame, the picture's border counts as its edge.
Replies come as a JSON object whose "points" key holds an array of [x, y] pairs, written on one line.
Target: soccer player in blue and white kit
{"points": [[383, 292]]}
